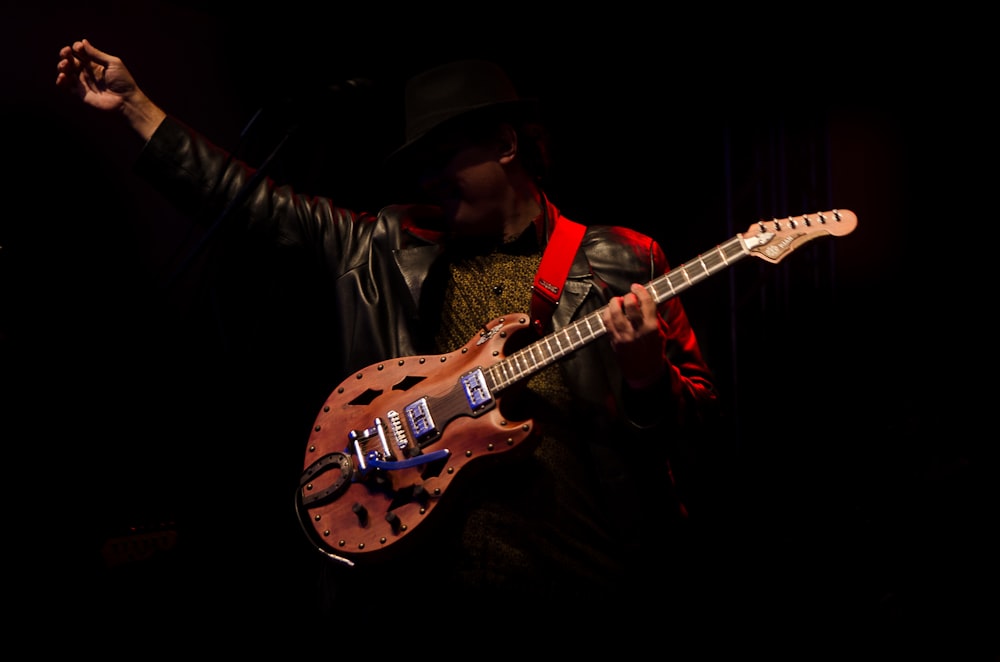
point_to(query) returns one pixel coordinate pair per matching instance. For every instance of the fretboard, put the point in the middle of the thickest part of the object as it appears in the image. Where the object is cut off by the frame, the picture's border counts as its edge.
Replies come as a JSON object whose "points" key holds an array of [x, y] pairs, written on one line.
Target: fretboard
{"points": [[527, 361]]}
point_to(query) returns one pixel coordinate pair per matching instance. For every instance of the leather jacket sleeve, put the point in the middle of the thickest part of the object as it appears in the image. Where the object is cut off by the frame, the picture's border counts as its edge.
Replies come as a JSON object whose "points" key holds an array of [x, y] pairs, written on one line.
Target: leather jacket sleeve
{"points": [[356, 256]]}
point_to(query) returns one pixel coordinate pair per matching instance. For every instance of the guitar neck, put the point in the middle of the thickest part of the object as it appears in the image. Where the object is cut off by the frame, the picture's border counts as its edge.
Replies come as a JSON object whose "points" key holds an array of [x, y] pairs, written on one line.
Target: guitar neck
{"points": [[770, 241], [527, 361]]}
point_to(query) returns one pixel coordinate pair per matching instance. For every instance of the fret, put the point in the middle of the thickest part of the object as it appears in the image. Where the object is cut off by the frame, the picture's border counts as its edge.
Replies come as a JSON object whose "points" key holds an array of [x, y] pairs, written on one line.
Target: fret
{"points": [[548, 345], [504, 367], [698, 275], [531, 350], [523, 367]]}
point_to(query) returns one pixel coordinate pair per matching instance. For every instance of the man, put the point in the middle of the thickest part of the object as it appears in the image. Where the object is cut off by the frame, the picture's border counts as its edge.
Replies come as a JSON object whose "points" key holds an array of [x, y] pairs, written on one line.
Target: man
{"points": [[580, 522]]}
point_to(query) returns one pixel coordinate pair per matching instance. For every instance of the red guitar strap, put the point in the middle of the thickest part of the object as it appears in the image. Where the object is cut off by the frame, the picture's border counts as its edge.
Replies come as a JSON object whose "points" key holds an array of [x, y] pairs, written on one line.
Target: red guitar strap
{"points": [[552, 272]]}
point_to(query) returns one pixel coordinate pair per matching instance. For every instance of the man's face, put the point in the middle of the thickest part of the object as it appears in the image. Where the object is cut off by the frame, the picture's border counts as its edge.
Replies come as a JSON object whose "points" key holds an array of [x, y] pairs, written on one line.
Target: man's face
{"points": [[468, 182]]}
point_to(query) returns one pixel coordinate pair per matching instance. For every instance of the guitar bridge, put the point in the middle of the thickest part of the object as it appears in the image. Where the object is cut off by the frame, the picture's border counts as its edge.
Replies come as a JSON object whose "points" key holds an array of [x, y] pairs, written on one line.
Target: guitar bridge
{"points": [[380, 456], [398, 431]]}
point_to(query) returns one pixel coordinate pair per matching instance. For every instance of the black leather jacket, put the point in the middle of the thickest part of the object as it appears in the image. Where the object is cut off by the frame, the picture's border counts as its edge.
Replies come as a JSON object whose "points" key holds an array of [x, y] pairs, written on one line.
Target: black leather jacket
{"points": [[375, 265]]}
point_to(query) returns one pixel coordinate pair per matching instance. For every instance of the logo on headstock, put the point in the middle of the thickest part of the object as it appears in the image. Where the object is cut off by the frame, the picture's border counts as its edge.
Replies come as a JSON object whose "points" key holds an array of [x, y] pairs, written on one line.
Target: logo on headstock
{"points": [[780, 247]]}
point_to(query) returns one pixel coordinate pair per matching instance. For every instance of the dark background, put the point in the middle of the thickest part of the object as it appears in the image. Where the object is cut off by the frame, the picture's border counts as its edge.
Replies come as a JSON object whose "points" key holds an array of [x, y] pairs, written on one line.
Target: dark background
{"points": [[849, 495]]}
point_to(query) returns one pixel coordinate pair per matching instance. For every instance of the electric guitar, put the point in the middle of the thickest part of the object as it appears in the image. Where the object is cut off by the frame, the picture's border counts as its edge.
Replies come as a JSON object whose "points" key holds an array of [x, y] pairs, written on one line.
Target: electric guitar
{"points": [[392, 439]]}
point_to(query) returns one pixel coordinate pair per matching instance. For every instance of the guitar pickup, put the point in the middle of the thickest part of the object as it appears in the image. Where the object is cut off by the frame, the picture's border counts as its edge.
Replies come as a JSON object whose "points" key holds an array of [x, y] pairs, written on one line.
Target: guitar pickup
{"points": [[476, 392], [421, 423]]}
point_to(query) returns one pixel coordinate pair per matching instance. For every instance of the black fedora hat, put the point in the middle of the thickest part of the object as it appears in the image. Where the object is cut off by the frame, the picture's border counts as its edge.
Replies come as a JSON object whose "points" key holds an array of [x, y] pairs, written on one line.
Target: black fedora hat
{"points": [[440, 96]]}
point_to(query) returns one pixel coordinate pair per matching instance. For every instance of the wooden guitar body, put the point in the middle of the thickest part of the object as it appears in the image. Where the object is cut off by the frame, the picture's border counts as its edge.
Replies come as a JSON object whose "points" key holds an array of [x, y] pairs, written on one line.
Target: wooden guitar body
{"points": [[378, 461]]}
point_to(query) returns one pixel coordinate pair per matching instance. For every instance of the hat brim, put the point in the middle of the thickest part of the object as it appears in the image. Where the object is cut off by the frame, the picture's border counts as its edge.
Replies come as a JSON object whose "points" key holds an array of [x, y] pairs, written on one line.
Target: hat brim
{"points": [[402, 156]]}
